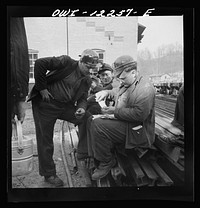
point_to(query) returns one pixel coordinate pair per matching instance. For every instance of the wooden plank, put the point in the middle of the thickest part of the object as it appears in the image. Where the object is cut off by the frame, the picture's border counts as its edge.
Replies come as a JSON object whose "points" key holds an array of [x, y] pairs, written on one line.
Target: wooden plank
{"points": [[117, 174], [181, 162], [167, 126], [163, 115], [84, 173], [103, 182], [73, 150], [137, 172], [165, 179], [123, 162], [168, 105], [74, 134], [173, 170], [151, 174], [75, 138], [175, 164], [166, 98], [171, 151]]}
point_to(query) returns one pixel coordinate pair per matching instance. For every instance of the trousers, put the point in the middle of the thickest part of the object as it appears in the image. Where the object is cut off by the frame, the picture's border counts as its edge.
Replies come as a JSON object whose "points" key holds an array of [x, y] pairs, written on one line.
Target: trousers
{"points": [[45, 115], [103, 136]]}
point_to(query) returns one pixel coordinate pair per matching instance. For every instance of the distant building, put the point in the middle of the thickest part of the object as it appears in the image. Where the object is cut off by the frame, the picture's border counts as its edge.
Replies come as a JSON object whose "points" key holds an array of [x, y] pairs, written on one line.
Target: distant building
{"points": [[155, 78], [176, 77], [165, 78], [33, 55]]}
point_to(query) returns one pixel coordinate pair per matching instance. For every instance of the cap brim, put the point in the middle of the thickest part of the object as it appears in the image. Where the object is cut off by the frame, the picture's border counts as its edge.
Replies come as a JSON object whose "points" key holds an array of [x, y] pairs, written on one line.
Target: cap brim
{"points": [[118, 72], [125, 65], [103, 70]]}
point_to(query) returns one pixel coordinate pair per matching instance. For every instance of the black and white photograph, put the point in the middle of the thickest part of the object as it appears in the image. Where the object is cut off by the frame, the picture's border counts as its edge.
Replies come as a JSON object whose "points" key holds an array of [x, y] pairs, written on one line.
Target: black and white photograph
{"points": [[96, 104]]}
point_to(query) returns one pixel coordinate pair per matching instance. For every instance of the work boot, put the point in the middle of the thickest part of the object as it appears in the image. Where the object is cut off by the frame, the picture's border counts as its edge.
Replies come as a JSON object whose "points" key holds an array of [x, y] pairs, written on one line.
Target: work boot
{"points": [[103, 169], [54, 180]]}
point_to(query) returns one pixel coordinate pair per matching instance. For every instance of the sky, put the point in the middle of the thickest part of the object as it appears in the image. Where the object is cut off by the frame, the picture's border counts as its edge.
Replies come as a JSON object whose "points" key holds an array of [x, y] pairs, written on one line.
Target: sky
{"points": [[161, 30]]}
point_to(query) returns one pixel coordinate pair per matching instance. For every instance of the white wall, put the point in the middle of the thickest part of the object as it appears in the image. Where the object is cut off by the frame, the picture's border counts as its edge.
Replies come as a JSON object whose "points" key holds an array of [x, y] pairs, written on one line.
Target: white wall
{"points": [[82, 36], [48, 35]]}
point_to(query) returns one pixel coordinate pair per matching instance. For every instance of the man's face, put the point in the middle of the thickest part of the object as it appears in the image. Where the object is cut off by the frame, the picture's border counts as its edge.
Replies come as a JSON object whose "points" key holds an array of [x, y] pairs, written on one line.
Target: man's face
{"points": [[93, 72], [127, 78], [85, 68], [106, 76]]}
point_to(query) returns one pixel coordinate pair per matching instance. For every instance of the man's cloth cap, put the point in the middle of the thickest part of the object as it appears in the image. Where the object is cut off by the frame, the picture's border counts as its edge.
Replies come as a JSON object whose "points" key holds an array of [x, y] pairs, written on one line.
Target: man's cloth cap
{"points": [[105, 67], [122, 63]]}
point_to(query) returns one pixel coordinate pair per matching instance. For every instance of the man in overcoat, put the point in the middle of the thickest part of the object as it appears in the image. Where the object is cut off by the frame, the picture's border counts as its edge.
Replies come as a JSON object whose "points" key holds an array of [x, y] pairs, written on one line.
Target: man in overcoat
{"points": [[60, 94], [130, 123], [19, 65]]}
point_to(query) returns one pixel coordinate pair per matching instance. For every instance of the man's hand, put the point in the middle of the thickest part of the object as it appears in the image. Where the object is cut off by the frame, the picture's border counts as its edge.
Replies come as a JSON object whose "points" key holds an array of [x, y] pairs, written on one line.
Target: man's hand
{"points": [[20, 111], [46, 95], [80, 113], [108, 110], [101, 95]]}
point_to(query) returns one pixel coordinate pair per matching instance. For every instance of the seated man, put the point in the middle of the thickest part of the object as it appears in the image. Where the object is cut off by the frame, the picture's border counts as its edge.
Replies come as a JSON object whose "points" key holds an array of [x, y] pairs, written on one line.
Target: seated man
{"points": [[107, 82], [130, 123]]}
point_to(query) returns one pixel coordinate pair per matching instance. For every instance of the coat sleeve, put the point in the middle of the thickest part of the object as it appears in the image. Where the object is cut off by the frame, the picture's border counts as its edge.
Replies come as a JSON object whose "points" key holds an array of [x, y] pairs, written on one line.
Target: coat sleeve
{"points": [[19, 59], [82, 102], [43, 65], [140, 109]]}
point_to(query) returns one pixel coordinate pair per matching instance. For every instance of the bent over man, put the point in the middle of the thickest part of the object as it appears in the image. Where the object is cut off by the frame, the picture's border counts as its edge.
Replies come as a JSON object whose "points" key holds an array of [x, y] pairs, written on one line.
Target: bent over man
{"points": [[61, 94], [130, 123]]}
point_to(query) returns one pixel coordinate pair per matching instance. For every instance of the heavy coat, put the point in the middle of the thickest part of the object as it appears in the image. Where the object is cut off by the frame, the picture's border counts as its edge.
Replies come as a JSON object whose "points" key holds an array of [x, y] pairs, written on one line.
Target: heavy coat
{"points": [[59, 68], [139, 110], [19, 60]]}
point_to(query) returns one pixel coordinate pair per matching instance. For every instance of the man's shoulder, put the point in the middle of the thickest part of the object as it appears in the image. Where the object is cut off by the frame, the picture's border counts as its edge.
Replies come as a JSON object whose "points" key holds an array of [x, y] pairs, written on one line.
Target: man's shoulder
{"points": [[64, 58], [145, 85]]}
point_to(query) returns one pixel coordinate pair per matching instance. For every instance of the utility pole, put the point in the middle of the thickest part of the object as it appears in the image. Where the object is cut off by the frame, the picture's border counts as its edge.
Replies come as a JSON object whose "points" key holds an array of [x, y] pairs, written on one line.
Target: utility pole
{"points": [[67, 25]]}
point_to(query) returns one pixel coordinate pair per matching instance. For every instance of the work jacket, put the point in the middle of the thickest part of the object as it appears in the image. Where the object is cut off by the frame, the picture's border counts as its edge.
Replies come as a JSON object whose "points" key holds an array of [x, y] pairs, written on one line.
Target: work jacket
{"points": [[139, 114], [19, 60], [59, 68]]}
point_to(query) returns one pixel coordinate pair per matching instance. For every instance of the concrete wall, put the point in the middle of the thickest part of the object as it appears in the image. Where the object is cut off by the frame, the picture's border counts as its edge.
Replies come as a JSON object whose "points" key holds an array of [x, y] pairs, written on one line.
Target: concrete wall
{"points": [[48, 35], [83, 33]]}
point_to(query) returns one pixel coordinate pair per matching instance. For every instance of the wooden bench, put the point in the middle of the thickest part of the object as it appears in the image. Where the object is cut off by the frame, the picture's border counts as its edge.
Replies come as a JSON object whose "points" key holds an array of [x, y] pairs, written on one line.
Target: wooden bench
{"points": [[161, 166]]}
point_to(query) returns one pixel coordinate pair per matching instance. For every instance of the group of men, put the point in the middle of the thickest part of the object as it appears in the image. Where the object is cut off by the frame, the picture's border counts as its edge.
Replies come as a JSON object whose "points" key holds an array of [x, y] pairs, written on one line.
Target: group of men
{"points": [[69, 91], [63, 94]]}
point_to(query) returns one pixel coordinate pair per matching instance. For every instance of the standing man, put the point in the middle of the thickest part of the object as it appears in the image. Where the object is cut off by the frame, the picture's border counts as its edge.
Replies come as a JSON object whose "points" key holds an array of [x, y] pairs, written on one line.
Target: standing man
{"points": [[131, 121], [61, 94], [178, 120], [19, 64]]}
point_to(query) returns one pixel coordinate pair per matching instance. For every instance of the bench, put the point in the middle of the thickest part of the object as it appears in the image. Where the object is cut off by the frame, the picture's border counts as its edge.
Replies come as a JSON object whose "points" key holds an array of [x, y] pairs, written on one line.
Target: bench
{"points": [[163, 165]]}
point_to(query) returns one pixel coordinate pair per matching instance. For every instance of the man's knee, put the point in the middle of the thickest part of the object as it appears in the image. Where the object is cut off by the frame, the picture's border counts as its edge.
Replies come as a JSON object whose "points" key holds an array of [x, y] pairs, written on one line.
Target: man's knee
{"points": [[98, 124]]}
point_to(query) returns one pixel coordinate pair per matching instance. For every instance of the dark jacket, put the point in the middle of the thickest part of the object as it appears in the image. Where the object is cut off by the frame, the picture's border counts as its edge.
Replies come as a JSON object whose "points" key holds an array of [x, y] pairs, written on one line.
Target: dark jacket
{"points": [[178, 120], [19, 59], [60, 68], [139, 110]]}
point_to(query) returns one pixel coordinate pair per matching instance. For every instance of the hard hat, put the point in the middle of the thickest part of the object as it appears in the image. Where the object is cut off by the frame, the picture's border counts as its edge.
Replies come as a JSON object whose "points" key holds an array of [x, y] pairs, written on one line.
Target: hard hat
{"points": [[89, 57]]}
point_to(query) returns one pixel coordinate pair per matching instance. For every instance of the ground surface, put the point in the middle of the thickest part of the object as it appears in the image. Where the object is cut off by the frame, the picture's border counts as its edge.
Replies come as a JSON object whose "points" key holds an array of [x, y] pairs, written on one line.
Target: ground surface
{"points": [[33, 179]]}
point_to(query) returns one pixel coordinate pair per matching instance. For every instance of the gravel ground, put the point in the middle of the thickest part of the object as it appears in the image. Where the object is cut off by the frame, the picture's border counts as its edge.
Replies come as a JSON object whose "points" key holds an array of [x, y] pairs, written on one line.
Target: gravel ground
{"points": [[33, 179]]}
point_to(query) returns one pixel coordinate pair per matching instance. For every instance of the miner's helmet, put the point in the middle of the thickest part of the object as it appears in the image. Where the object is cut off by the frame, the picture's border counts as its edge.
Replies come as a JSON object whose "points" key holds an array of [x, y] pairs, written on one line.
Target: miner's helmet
{"points": [[122, 63], [89, 57], [105, 67]]}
